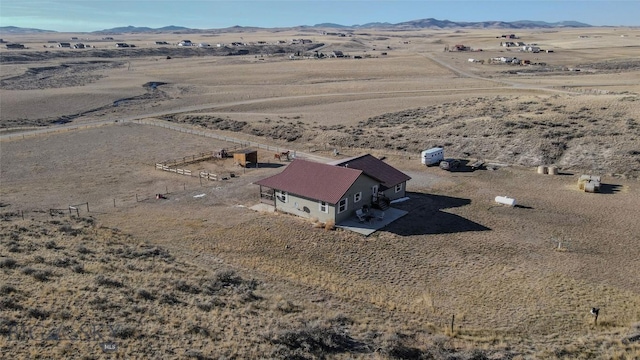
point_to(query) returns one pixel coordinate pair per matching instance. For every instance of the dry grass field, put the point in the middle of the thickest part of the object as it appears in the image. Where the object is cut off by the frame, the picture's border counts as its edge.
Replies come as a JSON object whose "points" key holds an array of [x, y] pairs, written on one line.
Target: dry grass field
{"points": [[199, 275]]}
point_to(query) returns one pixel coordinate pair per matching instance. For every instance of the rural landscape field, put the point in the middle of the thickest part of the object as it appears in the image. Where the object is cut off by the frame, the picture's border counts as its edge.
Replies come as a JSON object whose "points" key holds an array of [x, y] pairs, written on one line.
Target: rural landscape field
{"points": [[102, 255]]}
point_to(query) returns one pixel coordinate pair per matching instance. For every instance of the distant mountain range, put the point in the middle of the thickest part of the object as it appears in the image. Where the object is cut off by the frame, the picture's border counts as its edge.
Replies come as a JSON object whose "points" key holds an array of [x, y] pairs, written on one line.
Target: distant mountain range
{"points": [[407, 25]]}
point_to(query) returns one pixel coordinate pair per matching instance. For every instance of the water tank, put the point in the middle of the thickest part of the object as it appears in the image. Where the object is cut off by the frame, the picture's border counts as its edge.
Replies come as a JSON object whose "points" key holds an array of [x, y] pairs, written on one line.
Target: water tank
{"points": [[542, 169], [505, 200], [553, 170]]}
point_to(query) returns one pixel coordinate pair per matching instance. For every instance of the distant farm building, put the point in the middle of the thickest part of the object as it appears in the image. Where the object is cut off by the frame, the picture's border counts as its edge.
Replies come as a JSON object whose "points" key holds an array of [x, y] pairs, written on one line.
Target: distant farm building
{"points": [[64, 45], [15, 46], [337, 54]]}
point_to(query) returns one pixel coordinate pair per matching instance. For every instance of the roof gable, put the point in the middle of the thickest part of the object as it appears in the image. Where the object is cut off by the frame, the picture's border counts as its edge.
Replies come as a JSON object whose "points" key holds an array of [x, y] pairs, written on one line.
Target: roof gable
{"points": [[313, 180], [375, 168]]}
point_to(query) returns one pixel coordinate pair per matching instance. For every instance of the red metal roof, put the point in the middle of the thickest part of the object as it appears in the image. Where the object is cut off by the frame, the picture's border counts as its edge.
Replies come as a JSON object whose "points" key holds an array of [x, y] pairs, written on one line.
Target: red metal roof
{"points": [[313, 180], [375, 168]]}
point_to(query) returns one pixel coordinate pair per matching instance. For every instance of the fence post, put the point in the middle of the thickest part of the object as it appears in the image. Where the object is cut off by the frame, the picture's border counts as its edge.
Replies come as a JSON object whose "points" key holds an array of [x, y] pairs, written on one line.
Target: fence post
{"points": [[87, 206], [114, 202]]}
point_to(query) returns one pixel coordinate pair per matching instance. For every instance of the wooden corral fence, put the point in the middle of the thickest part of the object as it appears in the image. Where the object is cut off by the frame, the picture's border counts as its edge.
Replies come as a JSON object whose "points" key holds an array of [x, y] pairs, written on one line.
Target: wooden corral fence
{"points": [[185, 172], [208, 176], [186, 160], [172, 165]]}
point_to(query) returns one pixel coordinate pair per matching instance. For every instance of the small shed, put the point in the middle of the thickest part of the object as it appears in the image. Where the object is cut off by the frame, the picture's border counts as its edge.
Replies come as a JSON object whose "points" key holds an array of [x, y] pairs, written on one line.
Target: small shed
{"points": [[244, 157]]}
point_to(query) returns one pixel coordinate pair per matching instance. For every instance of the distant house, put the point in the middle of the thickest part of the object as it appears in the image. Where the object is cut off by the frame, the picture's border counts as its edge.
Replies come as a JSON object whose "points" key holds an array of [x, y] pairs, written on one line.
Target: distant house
{"points": [[337, 53], [79, 46], [185, 43], [64, 45], [333, 191], [162, 43], [122, 45], [461, 47], [15, 46]]}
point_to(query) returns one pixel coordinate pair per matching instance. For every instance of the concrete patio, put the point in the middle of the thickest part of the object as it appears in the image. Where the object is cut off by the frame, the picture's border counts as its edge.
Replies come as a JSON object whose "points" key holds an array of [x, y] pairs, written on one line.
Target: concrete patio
{"points": [[368, 227]]}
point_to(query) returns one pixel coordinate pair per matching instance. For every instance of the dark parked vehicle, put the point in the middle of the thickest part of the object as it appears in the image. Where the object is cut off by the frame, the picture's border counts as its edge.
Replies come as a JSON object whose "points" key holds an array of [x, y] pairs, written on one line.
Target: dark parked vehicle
{"points": [[450, 164]]}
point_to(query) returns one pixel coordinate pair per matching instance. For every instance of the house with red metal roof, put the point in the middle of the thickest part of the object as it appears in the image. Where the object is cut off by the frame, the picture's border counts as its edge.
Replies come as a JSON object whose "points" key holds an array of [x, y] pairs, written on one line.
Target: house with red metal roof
{"points": [[333, 191], [393, 182]]}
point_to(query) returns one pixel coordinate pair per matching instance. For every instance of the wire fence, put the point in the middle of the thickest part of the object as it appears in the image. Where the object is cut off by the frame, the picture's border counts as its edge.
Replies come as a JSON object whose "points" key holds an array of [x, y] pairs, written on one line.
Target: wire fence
{"points": [[106, 205], [240, 143]]}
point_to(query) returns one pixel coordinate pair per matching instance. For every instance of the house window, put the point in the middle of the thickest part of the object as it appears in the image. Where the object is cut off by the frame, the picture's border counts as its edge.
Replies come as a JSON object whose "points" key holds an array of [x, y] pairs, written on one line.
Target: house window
{"points": [[283, 196], [357, 197], [399, 187], [324, 207], [342, 205]]}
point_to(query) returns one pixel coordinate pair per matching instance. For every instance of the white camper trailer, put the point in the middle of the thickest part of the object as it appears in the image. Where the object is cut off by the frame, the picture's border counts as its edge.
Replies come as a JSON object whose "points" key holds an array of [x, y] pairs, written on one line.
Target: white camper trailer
{"points": [[432, 156]]}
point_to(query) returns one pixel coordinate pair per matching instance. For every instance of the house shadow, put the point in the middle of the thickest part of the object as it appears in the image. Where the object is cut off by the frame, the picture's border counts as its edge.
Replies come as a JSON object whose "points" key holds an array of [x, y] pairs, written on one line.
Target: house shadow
{"points": [[425, 216]]}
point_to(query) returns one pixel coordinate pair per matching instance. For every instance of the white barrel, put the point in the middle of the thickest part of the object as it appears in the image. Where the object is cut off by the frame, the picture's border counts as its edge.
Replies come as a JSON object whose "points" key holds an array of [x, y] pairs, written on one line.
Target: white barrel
{"points": [[505, 200], [553, 170], [542, 169]]}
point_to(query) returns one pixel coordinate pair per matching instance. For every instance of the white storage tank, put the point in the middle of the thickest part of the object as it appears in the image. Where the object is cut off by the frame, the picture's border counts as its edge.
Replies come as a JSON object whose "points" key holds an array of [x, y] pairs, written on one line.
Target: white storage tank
{"points": [[432, 156], [506, 200]]}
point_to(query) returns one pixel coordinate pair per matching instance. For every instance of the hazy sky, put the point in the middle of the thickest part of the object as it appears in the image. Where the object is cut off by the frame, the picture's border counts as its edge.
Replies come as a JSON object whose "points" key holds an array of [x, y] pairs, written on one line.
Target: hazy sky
{"points": [[92, 15]]}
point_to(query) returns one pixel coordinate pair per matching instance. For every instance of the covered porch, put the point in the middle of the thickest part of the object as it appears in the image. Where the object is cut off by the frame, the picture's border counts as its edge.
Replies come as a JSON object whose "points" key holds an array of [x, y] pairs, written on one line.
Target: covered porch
{"points": [[371, 222]]}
